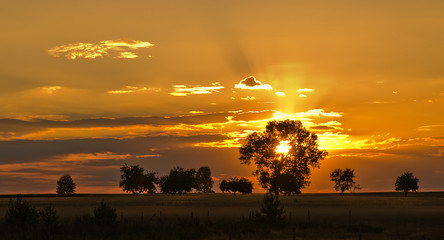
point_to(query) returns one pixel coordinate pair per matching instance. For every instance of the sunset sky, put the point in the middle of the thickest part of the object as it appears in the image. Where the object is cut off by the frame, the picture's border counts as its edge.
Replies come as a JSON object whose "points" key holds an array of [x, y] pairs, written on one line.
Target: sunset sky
{"points": [[86, 86]]}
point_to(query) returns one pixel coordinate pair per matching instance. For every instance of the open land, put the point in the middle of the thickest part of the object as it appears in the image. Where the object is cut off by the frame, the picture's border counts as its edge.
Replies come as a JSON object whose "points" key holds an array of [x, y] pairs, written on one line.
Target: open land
{"points": [[224, 216]]}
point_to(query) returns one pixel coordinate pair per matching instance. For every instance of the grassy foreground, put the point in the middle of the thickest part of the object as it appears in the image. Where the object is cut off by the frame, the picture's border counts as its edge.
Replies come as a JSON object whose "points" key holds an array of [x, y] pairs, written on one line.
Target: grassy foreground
{"points": [[224, 216]]}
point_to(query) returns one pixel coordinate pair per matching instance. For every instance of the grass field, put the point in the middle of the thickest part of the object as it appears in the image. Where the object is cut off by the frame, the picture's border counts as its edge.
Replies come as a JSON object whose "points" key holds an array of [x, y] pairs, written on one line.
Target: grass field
{"points": [[224, 216]]}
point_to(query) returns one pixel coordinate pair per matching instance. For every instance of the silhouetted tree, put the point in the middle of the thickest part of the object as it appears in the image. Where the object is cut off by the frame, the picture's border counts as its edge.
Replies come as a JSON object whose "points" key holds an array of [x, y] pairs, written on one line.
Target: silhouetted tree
{"points": [[282, 171], [235, 184], [406, 182], [203, 182], [65, 185], [343, 179], [178, 181], [223, 185], [21, 214], [271, 211], [134, 180], [49, 220], [104, 214]]}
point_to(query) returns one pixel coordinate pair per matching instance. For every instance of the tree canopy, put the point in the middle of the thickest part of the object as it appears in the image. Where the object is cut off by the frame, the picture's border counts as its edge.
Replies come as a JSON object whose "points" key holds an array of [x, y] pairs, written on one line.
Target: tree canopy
{"points": [[235, 184], [284, 154], [178, 181], [65, 185], [406, 182], [135, 180], [343, 179], [203, 182]]}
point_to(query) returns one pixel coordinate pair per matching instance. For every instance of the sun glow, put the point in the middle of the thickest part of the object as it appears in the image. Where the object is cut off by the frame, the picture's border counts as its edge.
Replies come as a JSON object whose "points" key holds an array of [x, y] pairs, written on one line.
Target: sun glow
{"points": [[283, 147]]}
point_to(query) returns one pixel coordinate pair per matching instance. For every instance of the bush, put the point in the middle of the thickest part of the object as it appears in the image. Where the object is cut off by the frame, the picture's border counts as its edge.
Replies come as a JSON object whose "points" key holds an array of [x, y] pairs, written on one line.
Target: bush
{"points": [[271, 211], [48, 217], [20, 213], [104, 214]]}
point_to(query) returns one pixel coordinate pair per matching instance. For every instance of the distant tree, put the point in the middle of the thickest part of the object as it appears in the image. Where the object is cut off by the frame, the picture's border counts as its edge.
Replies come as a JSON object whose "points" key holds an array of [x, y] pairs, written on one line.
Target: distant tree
{"points": [[203, 182], [406, 182], [285, 154], [178, 181], [65, 185], [235, 184], [135, 180], [343, 179], [223, 185]]}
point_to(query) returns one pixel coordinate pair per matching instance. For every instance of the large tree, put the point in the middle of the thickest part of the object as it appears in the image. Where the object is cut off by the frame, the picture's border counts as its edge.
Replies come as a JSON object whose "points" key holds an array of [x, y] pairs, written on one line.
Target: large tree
{"points": [[178, 181], [284, 154], [203, 182], [134, 179], [65, 185], [343, 179], [406, 182]]}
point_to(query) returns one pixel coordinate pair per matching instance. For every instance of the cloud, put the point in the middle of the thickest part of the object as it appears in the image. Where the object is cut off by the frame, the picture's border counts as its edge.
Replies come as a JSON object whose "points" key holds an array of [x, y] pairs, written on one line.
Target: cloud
{"points": [[252, 83], [183, 90], [302, 95], [118, 48], [248, 98], [305, 90], [430, 128], [131, 89], [50, 89], [280, 94]]}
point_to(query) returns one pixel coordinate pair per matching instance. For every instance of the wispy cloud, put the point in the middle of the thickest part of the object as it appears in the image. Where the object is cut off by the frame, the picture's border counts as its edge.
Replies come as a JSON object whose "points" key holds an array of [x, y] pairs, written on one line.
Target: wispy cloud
{"points": [[248, 98], [252, 83], [305, 90], [118, 48], [50, 89], [280, 94], [184, 90], [131, 89]]}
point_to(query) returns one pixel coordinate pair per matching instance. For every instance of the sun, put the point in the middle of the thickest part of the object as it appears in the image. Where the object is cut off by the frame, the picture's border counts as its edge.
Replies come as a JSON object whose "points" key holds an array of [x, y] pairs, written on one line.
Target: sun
{"points": [[283, 147]]}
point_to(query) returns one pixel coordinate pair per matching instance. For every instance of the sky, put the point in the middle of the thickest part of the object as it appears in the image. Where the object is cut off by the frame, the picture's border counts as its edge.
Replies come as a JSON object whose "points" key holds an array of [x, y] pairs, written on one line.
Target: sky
{"points": [[86, 86]]}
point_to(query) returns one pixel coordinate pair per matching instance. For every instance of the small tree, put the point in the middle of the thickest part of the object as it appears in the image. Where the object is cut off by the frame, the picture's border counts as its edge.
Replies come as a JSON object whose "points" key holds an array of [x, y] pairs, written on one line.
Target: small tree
{"points": [[178, 181], [20, 213], [203, 182], [65, 185], [223, 185], [135, 180], [104, 214], [271, 211], [343, 179], [235, 184], [406, 182], [49, 220]]}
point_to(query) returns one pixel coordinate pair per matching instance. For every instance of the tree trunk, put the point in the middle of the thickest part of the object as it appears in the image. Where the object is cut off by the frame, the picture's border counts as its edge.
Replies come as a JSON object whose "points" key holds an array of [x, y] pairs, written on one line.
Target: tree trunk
{"points": [[405, 193]]}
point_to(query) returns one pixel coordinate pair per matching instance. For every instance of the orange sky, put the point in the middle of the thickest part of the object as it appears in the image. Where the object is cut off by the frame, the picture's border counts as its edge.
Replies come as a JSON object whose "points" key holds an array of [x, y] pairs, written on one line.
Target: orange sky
{"points": [[87, 86]]}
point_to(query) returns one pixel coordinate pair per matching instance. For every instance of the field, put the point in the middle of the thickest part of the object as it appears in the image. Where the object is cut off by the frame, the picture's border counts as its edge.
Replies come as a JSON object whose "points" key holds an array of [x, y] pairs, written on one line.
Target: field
{"points": [[224, 216]]}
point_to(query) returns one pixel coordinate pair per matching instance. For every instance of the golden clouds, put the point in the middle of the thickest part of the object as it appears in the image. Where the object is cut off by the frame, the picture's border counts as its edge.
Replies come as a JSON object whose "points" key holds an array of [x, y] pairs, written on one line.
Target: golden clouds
{"points": [[253, 84], [131, 89], [280, 94], [184, 90], [50, 89], [118, 48]]}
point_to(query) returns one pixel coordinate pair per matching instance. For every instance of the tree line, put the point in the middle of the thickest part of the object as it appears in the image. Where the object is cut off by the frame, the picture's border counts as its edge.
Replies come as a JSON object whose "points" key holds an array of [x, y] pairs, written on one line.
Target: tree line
{"points": [[285, 154]]}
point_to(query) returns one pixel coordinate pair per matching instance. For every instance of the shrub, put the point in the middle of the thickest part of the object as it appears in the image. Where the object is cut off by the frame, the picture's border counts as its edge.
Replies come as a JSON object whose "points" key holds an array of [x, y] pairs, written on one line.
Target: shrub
{"points": [[271, 211], [104, 214], [20, 213]]}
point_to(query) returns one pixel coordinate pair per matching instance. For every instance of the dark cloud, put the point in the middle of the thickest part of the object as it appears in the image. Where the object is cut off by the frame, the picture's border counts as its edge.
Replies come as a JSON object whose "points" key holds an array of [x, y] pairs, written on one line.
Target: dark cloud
{"points": [[322, 128], [16, 127], [250, 82]]}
